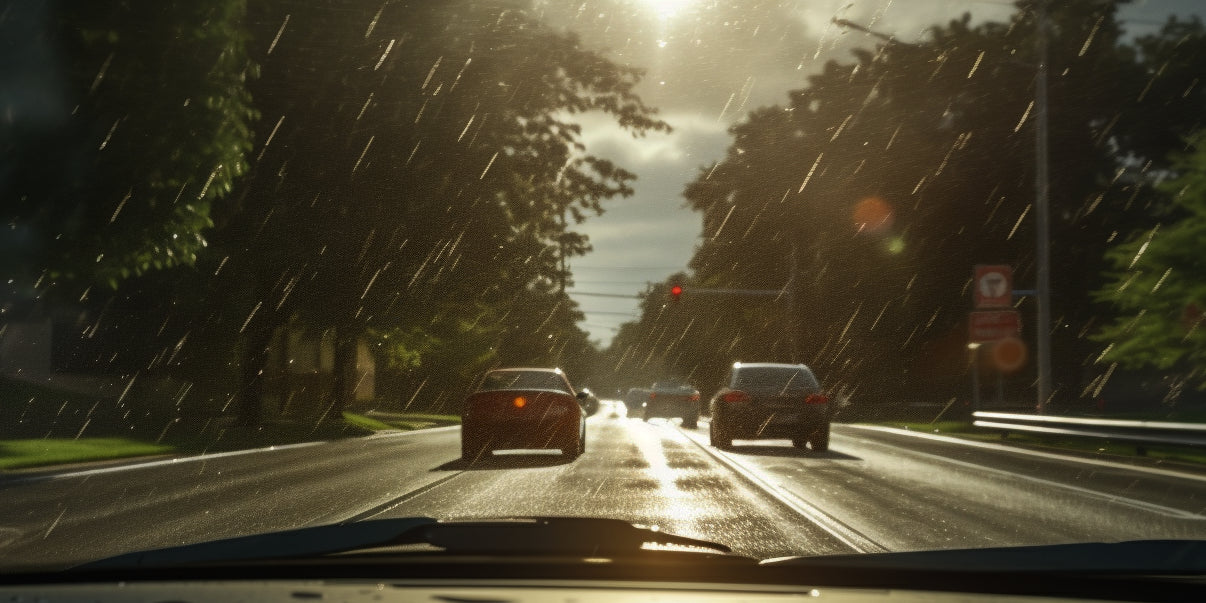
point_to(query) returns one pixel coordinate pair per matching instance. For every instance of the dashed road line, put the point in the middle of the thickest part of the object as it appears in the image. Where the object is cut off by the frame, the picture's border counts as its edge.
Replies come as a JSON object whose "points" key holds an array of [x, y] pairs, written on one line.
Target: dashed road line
{"points": [[845, 534]]}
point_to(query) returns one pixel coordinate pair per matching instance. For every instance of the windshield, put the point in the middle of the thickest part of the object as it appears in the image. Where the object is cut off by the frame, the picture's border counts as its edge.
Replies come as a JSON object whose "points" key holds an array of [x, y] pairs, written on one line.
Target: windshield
{"points": [[496, 380], [257, 255], [777, 378]]}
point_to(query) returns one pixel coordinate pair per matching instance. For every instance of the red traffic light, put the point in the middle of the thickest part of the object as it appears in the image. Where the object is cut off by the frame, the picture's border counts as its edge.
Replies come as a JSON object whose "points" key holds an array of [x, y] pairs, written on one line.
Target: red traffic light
{"points": [[676, 291]]}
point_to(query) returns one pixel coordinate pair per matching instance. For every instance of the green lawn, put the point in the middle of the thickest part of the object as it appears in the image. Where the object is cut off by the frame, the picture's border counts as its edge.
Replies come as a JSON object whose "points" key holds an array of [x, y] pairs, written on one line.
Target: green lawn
{"points": [[16, 454], [406, 421]]}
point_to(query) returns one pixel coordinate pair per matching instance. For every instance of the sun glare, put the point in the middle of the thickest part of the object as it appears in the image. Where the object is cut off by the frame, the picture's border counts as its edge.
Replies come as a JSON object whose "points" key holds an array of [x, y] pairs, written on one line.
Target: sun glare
{"points": [[667, 9]]}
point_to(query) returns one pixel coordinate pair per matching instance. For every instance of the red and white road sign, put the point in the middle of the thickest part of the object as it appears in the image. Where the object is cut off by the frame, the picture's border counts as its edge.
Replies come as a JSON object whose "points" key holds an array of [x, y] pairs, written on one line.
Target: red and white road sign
{"points": [[993, 325], [993, 286]]}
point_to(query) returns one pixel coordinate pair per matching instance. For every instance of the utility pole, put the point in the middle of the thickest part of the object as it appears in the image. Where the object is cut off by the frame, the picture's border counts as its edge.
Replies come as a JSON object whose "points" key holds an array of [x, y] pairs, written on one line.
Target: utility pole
{"points": [[790, 289], [1042, 327], [564, 266]]}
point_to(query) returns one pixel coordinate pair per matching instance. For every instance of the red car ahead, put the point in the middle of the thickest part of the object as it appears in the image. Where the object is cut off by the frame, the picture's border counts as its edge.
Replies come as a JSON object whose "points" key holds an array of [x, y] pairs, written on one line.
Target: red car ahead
{"points": [[523, 408]]}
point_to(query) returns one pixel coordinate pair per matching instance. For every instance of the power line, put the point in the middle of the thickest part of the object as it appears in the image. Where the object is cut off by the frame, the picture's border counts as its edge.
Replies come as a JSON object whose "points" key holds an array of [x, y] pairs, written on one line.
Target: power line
{"points": [[648, 268], [594, 294]]}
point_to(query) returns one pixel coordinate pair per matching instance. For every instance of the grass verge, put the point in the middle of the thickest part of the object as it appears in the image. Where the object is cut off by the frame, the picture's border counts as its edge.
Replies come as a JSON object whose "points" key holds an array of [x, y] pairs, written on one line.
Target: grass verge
{"points": [[1092, 446], [18, 454], [405, 421]]}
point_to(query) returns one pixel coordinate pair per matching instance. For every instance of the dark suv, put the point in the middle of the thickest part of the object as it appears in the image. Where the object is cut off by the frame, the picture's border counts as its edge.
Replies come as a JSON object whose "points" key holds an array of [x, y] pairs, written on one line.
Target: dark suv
{"points": [[770, 401], [673, 398]]}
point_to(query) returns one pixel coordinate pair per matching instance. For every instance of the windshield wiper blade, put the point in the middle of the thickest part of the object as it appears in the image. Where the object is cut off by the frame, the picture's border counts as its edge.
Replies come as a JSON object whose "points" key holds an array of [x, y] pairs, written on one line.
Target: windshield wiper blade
{"points": [[302, 542], [552, 536]]}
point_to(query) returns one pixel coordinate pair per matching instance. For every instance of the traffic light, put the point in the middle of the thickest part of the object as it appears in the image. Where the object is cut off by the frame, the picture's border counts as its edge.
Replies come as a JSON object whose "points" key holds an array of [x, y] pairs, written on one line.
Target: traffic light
{"points": [[675, 292]]}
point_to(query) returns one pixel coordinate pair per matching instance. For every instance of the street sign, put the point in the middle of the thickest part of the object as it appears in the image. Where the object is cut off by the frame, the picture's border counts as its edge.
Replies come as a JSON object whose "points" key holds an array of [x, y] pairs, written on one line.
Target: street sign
{"points": [[993, 325], [1008, 354], [993, 286]]}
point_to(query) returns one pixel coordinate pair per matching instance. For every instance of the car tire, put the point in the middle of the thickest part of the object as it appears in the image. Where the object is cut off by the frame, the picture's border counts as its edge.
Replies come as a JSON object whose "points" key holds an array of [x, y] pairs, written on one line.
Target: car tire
{"points": [[574, 448], [645, 416], [691, 421], [717, 437], [799, 442], [820, 439]]}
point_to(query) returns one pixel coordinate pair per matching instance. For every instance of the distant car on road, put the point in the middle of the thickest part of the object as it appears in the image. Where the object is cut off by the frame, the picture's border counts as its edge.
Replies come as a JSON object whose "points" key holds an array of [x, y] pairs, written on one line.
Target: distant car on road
{"points": [[523, 408], [673, 398], [634, 400], [771, 401], [590, 403]]}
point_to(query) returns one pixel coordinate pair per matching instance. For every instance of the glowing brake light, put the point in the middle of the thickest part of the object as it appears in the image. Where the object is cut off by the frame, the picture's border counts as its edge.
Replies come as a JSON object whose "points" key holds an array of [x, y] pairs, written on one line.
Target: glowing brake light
{"points": [[736, 396], [816, 399], [519, 402], [695, 396]]}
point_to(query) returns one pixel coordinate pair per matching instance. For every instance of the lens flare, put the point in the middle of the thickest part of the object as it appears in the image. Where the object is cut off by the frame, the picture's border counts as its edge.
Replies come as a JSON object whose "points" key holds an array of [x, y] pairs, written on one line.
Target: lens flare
{"points": [[873, 215]]}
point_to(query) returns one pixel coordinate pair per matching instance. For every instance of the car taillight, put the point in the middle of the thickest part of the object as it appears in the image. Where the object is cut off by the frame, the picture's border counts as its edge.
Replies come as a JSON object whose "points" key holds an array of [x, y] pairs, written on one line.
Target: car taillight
{"points": [[736, 396], [652, 396], [695, 397], [816, 399]]}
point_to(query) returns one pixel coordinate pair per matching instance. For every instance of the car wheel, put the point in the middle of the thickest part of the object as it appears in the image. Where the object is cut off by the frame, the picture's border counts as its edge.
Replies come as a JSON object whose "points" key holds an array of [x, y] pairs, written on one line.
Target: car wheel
{"points": [[582, 442], [690, 422], [645, 416], [799, 442], [717, 436], [820, 439], [574, 447]]}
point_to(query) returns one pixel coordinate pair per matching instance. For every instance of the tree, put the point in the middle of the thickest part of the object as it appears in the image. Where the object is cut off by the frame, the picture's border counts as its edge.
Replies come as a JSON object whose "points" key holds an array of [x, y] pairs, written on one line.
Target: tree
{"points": [[876, 188], [1155, 281], [416, 168], [111, 173]]}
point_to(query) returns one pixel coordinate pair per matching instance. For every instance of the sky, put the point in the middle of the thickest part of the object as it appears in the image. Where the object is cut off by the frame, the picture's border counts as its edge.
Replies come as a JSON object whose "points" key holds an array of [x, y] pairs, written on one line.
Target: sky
{"points": [[708, 63]]}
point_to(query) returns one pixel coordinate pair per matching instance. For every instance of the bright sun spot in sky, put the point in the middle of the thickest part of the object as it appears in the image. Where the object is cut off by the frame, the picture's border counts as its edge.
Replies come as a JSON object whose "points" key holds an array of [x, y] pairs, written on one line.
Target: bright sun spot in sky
{"points": [[667, 9]]}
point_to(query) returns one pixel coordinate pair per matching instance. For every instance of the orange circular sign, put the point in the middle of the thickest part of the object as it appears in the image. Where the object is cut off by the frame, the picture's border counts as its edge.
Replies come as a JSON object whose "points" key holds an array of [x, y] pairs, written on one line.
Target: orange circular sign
{"points": [[1009, 354]]}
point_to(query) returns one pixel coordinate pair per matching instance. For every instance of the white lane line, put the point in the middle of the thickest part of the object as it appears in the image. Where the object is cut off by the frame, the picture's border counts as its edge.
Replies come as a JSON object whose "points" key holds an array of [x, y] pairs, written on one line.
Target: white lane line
{"points": [[203, 457], [1035, 453], [1122, 500], [831, 525], [405, 432]]}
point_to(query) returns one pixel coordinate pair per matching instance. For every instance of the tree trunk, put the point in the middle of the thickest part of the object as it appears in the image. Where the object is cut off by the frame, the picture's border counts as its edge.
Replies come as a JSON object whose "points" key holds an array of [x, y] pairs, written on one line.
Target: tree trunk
{"points": [[253, 365], [343, 386]]}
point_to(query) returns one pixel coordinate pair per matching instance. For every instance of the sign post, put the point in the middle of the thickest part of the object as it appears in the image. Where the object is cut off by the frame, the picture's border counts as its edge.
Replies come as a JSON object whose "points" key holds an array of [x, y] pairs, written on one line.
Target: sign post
{"points": [[994, 323]]}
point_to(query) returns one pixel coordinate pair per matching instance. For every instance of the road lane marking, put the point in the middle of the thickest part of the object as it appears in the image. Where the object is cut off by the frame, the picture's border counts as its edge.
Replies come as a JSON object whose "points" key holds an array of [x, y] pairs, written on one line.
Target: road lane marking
{"points": [[1122, 500], [393, 503], [834, 527], [200, 457], [1035, 453]]}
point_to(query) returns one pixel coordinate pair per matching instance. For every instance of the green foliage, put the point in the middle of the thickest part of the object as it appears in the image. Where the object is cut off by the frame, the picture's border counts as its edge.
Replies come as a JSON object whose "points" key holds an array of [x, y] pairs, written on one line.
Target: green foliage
{"points": [[1156, 284], [415, 183], [875, 189], [150, 125]]}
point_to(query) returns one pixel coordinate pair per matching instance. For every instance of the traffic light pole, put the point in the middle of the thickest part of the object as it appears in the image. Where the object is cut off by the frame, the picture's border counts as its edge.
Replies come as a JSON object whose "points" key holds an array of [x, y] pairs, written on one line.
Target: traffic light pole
{"points": [[1041, 219]]}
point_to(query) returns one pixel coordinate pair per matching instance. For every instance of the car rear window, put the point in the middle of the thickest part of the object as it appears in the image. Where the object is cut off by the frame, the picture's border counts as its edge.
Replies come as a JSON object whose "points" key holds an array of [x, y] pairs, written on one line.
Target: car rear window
{"points": [[785, 378], [524, 380]]}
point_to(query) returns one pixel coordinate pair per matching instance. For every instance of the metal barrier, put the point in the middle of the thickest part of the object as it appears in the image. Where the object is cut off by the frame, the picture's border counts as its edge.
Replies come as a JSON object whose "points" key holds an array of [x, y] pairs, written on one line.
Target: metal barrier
{"points": [[1141, 432]]}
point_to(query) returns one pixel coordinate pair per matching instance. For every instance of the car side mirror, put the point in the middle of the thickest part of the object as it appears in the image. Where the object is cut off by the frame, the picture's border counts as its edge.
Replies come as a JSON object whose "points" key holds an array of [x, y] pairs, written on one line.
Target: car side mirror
{"points": [[583, 396]]}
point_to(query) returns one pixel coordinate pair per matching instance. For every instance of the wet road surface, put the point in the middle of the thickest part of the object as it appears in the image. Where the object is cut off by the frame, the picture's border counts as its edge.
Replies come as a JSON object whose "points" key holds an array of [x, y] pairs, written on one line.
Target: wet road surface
{"points": [[874, 490]]}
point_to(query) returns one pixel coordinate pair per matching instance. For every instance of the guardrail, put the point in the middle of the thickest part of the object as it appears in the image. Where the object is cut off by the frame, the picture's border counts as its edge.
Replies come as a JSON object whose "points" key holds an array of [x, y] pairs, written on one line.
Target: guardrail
{"points": [[1140, 432]]}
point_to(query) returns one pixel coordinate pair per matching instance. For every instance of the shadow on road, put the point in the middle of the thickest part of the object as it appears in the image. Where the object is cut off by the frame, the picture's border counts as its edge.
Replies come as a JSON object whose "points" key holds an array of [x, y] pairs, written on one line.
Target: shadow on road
{"points": [[506, 461], [791, 452]]}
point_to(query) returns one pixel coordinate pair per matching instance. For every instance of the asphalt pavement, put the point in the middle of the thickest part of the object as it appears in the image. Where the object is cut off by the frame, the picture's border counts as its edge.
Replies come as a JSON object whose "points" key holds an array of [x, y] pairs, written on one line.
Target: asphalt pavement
{"points": [[874, 490]]}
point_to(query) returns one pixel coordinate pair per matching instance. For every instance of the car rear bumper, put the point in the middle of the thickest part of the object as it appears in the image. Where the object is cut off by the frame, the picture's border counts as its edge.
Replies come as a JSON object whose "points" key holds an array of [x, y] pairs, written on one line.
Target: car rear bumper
{"points": [[757, 423], [496, 434], [672, 407]]}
